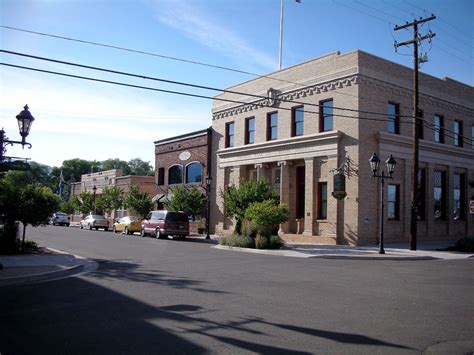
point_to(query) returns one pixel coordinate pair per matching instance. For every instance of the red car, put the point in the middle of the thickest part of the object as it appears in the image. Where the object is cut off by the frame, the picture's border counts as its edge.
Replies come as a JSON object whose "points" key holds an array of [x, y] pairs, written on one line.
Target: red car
{"points": [[163, 223]]}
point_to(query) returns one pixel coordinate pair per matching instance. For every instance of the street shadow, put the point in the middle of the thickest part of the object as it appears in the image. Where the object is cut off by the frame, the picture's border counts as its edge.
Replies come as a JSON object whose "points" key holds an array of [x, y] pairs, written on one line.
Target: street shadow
{"points": [[75, 316], [130, 271]]}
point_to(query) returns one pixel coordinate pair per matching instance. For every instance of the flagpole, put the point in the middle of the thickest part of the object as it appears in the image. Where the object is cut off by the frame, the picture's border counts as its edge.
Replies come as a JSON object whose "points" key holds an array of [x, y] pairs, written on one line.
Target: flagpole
{"points": [[281, 33]]}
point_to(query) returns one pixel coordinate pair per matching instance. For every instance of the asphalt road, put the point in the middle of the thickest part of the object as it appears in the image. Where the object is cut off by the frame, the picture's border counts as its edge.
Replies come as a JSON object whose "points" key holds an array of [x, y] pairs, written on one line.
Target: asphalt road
{"points": [[170, 296]]}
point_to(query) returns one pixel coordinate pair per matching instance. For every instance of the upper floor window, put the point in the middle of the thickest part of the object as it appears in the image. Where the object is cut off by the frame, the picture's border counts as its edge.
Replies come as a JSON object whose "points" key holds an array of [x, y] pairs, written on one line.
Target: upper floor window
{"points": [[229, 134], [250, 130], [193, 173], [326, 116], [439, 129], [459, 194], [175, 175], [161, 176], [393, 202], [458, 133], [393, 118], [272, 126], [297, 121]]}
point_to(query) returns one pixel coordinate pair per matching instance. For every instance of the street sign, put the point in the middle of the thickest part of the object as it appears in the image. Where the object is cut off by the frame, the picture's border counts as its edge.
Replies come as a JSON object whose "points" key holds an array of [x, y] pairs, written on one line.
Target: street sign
{"points": [[471, 207]]}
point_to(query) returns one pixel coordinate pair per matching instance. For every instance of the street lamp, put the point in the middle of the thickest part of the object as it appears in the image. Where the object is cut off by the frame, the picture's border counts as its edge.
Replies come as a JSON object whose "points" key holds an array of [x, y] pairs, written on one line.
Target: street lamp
{"points": [[94, 190], [208, 212], [25, 119], [374, 165]]}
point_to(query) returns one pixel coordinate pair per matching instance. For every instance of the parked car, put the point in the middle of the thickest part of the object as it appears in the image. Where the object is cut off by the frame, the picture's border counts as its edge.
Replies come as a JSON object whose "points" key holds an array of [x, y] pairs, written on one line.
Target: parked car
{"points": [[127, 225], [164, 223], [95, 221], [60, 219]]}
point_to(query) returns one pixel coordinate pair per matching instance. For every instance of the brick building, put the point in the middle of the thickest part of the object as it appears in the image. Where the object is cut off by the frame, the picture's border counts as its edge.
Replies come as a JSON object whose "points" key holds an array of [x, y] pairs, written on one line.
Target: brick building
{"points": [[343, 108], [182, 161]]}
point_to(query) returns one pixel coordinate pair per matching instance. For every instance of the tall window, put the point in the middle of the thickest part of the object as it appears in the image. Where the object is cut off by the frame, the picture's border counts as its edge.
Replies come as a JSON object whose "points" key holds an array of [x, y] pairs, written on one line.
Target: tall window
{"points": [[250, 130], [322, 200], [326, 116], [393, 118], [297, 121], [421, 195], [175, 175], [459, 196], [439, 195], [438, 129], [272, 126], [393, 202], [458, 133], [193, 173], [229, 134], [161, 176]]}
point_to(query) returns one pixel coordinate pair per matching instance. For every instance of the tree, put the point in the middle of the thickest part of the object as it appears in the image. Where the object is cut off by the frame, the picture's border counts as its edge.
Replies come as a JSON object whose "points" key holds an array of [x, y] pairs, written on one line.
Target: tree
{"points": [[116, 163], [84, 203], [138, 201], [111, 199], [191, 201], [36, 204], [74, 168], [140, 167], [238, 198]]}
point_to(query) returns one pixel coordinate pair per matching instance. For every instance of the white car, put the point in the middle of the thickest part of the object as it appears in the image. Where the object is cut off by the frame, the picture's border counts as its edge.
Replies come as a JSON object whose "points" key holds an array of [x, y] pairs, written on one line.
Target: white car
{"points": [[95, 221]]}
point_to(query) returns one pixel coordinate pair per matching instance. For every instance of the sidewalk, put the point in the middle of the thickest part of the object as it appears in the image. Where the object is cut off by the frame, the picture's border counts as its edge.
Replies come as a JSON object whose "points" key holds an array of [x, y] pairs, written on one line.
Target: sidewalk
{"points": [[54, 264]]}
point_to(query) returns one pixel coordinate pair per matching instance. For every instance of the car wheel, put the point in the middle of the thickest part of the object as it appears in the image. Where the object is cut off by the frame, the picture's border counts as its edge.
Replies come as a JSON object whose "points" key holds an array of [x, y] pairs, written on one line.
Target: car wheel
{"points": [[80, 226], [158, 234], [106, 229], [96, 228], [126, 231], [142, 232], [90, 227]]}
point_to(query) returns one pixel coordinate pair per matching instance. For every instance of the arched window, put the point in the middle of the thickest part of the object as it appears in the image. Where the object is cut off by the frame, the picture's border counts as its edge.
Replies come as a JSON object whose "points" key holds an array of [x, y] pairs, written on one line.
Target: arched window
{"points": [[193, 173], [175, 175]]}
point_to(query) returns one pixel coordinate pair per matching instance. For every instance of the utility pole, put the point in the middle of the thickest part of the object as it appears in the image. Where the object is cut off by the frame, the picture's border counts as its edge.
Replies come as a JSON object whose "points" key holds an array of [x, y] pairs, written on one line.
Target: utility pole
{"points": [[416, 117]]}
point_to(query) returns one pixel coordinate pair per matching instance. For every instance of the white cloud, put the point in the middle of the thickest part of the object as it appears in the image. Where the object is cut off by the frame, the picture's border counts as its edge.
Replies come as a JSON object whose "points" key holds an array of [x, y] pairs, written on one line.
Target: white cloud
{"points": [[201, 27]]}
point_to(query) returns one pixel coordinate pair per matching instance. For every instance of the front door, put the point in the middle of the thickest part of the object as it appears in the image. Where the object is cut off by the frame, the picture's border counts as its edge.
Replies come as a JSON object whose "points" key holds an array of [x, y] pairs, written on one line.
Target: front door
{"points": [[300, 189]]}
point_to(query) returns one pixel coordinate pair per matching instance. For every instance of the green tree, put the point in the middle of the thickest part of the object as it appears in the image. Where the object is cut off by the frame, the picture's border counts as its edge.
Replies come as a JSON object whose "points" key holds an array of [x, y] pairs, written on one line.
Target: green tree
{"points": [[36, 204], [74, 169], [116, 163], [111, 198], [140, 167], [68, 206], [265, 216], [238, 198], [191, 201], [84, 203], [138, 201]]}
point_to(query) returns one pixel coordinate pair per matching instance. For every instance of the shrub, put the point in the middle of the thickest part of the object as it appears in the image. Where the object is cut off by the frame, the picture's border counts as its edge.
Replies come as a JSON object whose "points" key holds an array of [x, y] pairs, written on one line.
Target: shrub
{"points": [[262, 242], [273, 242], [238, 241], [465, 244], [276, 242], [266, 216]]}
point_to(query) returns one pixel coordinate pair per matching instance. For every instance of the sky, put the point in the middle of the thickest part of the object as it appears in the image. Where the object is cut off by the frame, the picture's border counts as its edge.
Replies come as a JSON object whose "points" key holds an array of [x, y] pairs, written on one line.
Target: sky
{"points": [[97, 121]]}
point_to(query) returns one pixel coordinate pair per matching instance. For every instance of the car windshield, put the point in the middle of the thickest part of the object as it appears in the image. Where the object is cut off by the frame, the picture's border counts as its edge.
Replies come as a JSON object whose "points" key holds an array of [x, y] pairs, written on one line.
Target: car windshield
{"points": [[96, 216], [60, 214]]}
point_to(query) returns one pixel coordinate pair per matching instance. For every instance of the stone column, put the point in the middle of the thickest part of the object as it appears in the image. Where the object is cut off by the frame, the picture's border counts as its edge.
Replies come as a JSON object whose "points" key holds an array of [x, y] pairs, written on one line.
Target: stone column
{"points": [[260, 170], [284, 191], [309, 197]]}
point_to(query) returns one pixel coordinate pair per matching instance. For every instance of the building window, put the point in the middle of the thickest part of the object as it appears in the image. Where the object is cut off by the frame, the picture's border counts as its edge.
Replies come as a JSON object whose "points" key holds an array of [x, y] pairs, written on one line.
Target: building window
{"points": [[161, 176], [393, 202], [175, 175], [421, 195], [438, 129], [276, 176], [249, 130], [272, 126], [325, 116], [393, 118], [458, 133], [297, 121], [459, 195], [229, 134], [439, 195], [193, 173], [322, 200]]}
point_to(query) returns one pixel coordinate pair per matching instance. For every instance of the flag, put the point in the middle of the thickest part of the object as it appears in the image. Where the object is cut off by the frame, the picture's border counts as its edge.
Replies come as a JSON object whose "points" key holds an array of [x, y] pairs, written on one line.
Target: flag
{"points": [[298, 1]]}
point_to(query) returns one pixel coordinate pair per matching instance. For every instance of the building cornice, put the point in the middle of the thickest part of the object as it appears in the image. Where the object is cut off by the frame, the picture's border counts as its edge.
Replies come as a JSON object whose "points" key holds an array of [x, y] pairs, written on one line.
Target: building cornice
{"points": [[310, 90]]}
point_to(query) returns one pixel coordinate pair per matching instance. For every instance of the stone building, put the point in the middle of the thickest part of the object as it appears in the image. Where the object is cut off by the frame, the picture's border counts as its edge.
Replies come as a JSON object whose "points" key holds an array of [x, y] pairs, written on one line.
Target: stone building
{"points": [[332, 113], [182, 161]]}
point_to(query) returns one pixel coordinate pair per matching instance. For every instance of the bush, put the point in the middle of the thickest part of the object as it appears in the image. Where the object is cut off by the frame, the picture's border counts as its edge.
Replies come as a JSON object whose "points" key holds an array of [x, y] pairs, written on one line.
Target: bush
{"points": [[266, 216], [238, 241], [273, 242], [465, 244]]}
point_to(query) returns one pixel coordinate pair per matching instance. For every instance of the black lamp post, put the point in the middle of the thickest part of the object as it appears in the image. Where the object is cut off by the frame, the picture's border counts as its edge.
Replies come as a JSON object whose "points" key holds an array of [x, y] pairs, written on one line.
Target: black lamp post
{"points": [[374, 165], [94, 190], [25, 119], [208, 212]]}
